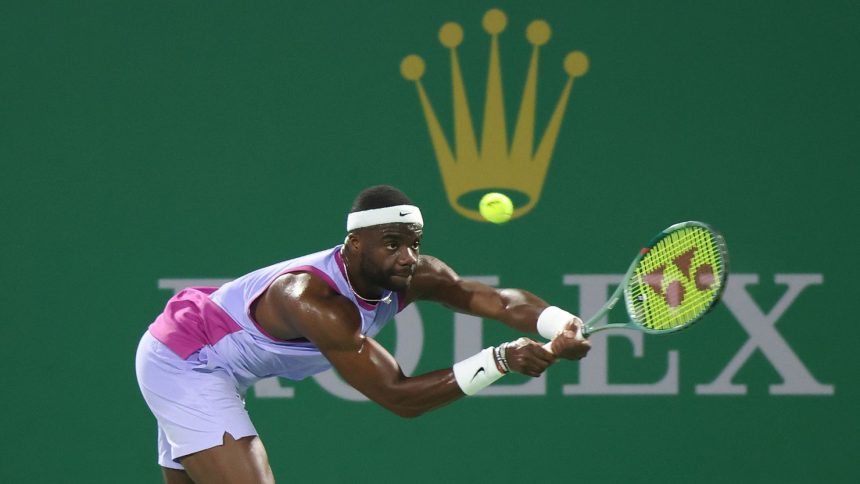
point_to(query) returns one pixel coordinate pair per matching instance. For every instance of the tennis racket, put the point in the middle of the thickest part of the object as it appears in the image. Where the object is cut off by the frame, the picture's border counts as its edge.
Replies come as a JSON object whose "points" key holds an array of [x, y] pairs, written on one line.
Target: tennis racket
{"points": [[675, 279]]}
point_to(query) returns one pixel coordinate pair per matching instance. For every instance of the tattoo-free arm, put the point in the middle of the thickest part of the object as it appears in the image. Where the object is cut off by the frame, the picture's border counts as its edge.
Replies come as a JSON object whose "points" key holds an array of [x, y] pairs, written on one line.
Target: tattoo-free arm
{"points": [[333, 324], [435, 281], [517, 308], [303, 304], [372, 370]]}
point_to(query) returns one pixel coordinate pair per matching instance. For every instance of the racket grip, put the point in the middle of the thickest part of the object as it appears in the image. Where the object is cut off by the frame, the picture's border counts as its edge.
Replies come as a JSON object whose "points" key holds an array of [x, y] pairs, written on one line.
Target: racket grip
{"points": [[579, 336]]}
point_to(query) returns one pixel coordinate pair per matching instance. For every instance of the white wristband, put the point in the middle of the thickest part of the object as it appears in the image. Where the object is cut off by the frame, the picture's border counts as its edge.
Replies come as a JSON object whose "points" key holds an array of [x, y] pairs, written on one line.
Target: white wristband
{"points": [[477, 372], [552, 321]]}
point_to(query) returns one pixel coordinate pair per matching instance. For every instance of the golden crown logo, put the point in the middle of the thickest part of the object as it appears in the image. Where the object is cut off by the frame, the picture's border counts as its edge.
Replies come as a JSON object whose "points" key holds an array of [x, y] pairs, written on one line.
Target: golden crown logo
{"points": [[520, 170]]}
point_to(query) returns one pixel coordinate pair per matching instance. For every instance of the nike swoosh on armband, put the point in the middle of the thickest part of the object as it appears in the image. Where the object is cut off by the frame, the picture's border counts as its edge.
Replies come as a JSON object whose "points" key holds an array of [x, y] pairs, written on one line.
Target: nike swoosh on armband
{"points": [[403, 214], [477, 372]]}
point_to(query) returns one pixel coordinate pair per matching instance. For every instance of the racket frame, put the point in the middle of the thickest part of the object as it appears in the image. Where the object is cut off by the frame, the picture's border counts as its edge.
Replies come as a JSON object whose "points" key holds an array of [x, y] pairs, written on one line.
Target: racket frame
{"points": [[588, 326]]}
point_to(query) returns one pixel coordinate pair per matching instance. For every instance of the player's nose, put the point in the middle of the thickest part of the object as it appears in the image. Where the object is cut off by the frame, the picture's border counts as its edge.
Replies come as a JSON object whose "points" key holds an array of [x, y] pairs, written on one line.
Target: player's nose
{"points": [[408, 257]]}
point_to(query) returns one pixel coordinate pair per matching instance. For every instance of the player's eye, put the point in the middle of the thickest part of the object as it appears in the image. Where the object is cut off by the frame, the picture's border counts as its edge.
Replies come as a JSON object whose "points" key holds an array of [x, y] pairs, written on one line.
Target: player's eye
{"points": [[416, 244]]}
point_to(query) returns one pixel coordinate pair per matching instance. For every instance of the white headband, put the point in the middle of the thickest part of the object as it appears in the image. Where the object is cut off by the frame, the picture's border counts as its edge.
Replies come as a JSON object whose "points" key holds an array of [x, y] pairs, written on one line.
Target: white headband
{"points": [[403, 214]]}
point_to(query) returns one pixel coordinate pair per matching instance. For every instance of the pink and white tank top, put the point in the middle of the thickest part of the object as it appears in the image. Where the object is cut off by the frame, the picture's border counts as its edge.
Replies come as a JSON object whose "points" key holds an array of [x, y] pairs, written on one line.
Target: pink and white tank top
{"points": [[219, 325]]}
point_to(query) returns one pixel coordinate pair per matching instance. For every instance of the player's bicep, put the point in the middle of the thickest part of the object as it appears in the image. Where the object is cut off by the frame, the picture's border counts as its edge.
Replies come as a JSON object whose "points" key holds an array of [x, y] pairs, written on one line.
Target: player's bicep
{"points": [[361, 361], [436, 281]]}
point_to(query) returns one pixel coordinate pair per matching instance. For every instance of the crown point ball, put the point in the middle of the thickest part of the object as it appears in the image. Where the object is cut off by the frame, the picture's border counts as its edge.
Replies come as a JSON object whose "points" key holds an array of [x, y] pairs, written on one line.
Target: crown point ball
{"points": [[538, 32], [576, 64], [496, 207], [412, 67], [495, 21], [451, 35]]}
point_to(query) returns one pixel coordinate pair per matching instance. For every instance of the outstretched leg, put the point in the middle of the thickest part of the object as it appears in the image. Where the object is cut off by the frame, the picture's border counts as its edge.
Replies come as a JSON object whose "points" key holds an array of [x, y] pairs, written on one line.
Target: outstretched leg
{"points": [[236, 461]]}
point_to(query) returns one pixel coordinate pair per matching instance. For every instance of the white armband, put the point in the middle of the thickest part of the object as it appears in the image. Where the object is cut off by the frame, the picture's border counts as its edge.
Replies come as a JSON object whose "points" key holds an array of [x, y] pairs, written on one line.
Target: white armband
{"points": [[552, 321], [477, 372]]}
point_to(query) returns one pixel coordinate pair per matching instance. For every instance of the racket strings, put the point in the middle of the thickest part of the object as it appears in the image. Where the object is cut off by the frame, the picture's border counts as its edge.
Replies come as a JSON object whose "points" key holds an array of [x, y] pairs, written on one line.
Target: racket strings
{"points": [[677, 280]]}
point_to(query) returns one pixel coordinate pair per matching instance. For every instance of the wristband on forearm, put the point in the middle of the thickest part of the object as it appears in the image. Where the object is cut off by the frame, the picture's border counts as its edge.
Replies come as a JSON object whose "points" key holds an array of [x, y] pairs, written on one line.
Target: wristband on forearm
{"points": [[478, 372], [552, 321]]}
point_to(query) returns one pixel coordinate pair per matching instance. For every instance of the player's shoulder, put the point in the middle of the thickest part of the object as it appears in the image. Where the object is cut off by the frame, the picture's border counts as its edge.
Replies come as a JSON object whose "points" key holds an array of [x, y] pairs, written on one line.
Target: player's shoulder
{"points": [[317, 311], [308, 301], [292, 284]]}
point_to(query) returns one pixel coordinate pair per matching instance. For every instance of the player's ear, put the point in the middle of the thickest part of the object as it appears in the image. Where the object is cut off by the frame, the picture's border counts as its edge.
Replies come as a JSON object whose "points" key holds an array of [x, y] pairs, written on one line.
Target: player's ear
{"points": [[352, 241]]}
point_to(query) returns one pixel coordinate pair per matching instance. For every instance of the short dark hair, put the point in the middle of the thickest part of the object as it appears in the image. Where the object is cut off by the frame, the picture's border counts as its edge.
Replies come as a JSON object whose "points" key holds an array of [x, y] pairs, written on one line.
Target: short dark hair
{"points": [[380, 196]]}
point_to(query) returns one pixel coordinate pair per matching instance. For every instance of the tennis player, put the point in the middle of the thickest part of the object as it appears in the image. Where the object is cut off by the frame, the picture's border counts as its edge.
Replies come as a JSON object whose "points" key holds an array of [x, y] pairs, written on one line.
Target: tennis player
{"points": [[302, 316]]}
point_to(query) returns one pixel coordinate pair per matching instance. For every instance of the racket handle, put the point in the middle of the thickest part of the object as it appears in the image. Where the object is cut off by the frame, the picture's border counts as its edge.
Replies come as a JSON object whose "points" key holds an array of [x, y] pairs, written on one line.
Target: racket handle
{"points": [[579, 336]]}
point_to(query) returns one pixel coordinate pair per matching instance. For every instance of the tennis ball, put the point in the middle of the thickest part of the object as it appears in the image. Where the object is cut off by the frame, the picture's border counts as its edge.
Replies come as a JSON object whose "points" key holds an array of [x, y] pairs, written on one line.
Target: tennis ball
{"points": [[496, 207]]}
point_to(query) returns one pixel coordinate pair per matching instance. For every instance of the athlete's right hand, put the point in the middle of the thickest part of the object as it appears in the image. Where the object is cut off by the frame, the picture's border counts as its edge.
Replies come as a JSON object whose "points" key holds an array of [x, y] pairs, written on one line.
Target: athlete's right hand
{"points": [[528, 357], [569, 344]]}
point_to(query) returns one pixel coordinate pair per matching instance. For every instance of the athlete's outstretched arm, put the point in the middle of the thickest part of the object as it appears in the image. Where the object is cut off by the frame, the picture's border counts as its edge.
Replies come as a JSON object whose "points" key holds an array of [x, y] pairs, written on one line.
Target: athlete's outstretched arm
{"points": [[306, 303], [372, 370], [435, 281]]}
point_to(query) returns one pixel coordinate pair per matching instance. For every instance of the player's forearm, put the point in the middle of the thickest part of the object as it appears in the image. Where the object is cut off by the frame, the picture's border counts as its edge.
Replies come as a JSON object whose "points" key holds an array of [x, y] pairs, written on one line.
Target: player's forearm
{"points": [[413, 397], [517, 308], [375, 373]]}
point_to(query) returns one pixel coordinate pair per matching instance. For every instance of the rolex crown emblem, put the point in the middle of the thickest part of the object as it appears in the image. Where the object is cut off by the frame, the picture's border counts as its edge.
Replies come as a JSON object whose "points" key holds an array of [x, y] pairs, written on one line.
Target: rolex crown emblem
{"points": [[520, 170]]}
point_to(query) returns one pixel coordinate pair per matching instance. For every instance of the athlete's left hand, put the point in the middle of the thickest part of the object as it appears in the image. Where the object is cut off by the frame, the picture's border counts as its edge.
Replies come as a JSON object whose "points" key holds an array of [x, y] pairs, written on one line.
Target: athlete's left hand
{"points": [[528, 357]]}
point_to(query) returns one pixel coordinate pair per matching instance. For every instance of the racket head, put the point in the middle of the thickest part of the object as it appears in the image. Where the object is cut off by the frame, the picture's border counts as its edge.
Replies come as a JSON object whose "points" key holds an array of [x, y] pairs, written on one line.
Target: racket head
{"points": [[677, 278]]}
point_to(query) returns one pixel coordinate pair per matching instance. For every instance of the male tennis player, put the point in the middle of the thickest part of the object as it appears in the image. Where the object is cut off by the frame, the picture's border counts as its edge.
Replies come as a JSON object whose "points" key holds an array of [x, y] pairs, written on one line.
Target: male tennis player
{"points": [[305, 315]]}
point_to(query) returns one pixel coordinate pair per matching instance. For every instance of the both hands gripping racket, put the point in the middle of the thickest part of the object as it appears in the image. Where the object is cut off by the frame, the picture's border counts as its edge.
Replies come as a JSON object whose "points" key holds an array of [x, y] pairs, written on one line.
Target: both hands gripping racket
{"points": [[673, 281]]}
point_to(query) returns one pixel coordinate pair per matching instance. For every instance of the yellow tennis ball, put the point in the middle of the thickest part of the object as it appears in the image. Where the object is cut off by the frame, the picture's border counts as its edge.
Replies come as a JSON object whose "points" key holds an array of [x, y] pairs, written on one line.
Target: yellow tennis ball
{"points": [[496, 207]]}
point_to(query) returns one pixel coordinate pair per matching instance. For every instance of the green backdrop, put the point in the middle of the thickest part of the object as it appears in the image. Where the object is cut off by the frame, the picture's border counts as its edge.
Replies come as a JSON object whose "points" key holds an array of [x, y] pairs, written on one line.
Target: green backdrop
{"points": [[145, 142]]}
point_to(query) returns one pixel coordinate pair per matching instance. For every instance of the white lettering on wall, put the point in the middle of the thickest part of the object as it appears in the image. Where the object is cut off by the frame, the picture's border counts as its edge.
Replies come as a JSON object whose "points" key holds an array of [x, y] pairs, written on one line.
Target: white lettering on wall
{"points": [[762, 332], [594, 289]]}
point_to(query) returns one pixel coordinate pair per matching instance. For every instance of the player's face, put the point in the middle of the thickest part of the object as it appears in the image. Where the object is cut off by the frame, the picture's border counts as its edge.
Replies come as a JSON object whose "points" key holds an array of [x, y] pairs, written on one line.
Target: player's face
{"points": [[390, 254]]}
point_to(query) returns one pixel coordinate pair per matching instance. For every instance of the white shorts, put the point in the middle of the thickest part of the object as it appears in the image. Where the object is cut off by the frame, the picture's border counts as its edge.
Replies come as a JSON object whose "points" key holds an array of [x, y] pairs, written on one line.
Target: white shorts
{"points": [[193, 404]]}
